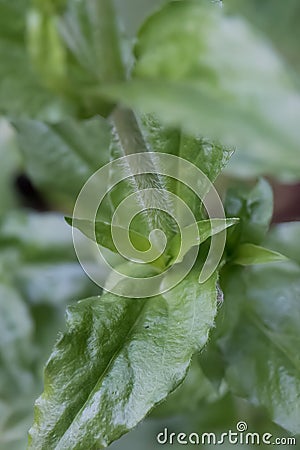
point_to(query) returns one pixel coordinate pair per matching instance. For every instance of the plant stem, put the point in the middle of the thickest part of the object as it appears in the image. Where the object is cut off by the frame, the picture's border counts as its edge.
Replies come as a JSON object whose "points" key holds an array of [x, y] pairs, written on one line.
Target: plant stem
{"points": [[128, 130], [131, 140]]}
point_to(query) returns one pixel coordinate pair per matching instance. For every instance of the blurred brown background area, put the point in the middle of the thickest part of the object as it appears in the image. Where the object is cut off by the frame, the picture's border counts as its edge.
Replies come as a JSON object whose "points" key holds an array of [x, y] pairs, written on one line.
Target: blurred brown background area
{"points": [[286, 202]]}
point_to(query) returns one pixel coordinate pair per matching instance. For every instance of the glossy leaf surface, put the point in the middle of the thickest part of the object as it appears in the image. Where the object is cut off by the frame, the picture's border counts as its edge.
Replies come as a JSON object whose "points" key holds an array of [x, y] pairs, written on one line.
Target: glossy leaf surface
{"points": [[118, 358]]}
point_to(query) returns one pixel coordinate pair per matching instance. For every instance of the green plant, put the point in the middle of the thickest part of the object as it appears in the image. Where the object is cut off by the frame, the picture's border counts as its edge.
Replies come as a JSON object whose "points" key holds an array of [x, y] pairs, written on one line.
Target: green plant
{"points": [[79, 95]]}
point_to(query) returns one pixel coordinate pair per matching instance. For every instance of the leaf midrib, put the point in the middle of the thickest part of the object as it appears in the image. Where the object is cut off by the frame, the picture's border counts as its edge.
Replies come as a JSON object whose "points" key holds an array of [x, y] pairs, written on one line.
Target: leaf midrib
{"points": [[107, 368]]}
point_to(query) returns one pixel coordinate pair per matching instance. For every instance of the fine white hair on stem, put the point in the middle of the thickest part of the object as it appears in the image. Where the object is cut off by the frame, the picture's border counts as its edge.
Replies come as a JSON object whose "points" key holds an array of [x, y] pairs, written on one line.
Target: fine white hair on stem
{"points": [[128, 139]]}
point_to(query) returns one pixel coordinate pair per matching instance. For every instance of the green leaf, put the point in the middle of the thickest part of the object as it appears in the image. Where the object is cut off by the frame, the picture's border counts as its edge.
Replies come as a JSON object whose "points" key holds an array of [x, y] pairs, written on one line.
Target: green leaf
{"points": [[10, 165], [86, 28], [36, 236], [192, 70], [182, 243], [254, 206], [21, 92], [250, 254], [59, 158], [38, 257], [68, 47], [132, 13], [278, 20], [179, 245], [39, 276], [130, 136], [55, 284], [212, 364], [17, 355], [260, 339], [209, 157], [45, 48], [188, 397], [102, 231], [134, 134], [284, 238], [16, 344], [117, 360], [52, 53]]}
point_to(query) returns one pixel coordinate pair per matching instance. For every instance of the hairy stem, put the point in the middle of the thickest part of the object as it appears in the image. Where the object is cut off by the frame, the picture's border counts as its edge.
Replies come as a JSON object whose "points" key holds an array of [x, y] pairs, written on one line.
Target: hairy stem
{"points": [[128, 130]]}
